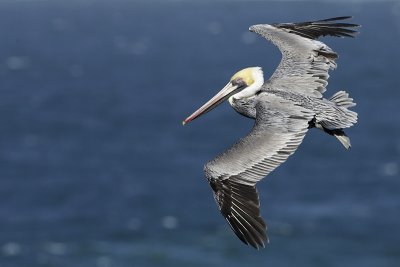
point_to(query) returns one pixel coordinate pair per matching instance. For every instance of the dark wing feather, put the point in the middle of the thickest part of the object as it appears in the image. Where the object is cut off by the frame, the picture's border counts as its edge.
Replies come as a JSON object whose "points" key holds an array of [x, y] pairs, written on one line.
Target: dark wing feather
{"points": [[316, 29], [239, 204]]}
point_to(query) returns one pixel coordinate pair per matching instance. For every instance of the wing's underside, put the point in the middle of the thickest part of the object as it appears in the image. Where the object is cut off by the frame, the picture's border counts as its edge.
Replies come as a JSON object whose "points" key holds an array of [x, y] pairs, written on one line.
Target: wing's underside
{"points": [[305, 61], [279, 129]]}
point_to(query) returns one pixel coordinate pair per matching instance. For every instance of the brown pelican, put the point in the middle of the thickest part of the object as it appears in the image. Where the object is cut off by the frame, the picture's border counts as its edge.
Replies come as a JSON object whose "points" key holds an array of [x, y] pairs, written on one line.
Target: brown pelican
{"points": [[284, 107]]}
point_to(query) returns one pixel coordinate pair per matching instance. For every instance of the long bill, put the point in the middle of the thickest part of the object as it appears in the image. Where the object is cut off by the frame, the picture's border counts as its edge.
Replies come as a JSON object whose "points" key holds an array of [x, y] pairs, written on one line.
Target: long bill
{"points": [[220, 97]]}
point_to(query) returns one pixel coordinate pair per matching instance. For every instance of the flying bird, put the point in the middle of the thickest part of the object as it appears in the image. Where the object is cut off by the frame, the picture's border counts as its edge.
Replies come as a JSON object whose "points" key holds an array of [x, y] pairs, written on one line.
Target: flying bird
{"points": [[283, 107]]}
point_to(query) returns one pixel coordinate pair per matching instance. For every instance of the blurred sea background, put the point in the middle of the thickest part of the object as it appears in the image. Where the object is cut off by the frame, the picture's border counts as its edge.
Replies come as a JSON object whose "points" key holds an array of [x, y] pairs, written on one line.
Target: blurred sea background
{"points": [[97, 170]]}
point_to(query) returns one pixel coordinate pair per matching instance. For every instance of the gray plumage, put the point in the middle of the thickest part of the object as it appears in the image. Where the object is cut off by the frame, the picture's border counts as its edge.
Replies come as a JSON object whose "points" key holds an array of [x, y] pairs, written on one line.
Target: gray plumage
{"points": [[287, 105]]}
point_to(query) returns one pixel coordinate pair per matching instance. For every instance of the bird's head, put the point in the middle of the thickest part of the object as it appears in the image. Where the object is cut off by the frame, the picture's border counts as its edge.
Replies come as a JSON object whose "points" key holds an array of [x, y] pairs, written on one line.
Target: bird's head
{"points": [[244, 84]]}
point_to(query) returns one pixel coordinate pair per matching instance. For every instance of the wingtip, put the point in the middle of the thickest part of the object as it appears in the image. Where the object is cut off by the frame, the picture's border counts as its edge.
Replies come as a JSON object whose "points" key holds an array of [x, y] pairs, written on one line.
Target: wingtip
{"points": [[257, 246], [337, 18], [344, 24], [344, 17]]}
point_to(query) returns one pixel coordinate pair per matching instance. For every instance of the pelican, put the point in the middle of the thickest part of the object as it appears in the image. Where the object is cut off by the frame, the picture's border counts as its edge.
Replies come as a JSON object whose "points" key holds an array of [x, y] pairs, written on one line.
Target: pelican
{"points": [[283, 108]]}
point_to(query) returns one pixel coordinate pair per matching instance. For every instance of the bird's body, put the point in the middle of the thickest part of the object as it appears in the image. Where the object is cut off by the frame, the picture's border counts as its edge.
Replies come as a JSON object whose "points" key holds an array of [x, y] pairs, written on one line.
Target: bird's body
{"points": [[284, 107], [327, 114]]}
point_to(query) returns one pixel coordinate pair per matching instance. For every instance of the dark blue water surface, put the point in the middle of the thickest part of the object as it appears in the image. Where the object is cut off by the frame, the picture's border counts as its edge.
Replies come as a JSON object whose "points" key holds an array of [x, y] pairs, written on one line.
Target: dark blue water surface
{"points": [[97, 170]]}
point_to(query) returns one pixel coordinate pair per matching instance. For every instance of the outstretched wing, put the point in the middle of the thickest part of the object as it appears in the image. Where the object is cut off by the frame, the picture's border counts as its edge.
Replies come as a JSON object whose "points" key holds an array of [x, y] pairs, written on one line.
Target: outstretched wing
{"points": [[279, 129], [305, 61]]}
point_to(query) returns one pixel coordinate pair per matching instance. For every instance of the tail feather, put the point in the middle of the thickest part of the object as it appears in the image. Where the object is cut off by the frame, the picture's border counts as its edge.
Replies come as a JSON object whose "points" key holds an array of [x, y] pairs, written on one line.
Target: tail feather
{"points": [[342, 99], [337, 117], [343, 117]]}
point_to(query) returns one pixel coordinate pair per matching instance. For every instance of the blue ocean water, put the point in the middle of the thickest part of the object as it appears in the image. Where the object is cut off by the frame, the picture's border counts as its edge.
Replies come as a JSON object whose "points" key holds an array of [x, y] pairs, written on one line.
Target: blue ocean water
{"points": [[97, 170]]}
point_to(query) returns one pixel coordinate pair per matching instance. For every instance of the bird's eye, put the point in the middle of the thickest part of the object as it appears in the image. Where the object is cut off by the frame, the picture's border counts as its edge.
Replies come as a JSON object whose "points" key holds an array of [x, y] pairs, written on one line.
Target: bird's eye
{"points": [[239, 82]]}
